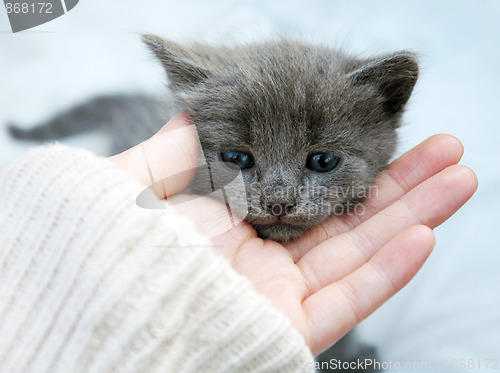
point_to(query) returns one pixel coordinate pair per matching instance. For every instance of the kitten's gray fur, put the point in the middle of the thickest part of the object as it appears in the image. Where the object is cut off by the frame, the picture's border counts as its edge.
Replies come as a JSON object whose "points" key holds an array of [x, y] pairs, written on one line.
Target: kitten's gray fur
{"points": [[279, 101], [282, 101]]}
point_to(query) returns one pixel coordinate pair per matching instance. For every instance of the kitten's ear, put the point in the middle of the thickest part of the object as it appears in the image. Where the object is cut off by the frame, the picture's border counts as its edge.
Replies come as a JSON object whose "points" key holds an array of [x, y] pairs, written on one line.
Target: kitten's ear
{"points": [[393, 76], [182, 66]]}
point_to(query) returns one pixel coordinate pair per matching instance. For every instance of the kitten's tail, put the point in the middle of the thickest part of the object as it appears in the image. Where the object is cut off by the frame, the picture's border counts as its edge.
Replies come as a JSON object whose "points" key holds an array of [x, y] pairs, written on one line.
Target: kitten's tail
{"points": [[81, 118], [127, 113], [49, 130]]}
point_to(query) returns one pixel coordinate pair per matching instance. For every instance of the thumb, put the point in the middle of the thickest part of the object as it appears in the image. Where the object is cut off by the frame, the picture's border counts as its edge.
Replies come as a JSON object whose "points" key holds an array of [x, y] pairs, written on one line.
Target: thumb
{"points": [[167, 161]]}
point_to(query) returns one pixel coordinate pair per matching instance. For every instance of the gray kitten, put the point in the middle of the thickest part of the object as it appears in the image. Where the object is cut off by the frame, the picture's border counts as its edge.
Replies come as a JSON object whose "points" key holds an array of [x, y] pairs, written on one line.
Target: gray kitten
{"points": [[308, 127]]}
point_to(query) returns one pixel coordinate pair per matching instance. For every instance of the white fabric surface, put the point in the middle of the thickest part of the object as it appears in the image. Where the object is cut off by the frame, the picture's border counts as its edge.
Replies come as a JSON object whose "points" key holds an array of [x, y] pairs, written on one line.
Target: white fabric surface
{"points": [[451, 310]]}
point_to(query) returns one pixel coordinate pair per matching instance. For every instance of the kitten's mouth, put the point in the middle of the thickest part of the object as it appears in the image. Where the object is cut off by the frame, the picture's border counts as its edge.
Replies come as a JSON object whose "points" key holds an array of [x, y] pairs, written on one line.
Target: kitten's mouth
{"points": [[280, 231], [279, 228], [278, 221], [285, 223]]}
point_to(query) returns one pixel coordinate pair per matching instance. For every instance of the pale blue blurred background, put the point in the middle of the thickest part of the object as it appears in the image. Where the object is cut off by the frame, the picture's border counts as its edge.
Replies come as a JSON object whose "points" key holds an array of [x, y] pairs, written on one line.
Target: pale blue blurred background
{"points": [[452, 308]]}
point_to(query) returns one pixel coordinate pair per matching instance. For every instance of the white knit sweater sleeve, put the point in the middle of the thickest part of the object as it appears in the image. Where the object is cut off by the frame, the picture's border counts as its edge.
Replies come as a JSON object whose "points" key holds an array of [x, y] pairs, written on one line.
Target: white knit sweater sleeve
{"points": [[90, 282]]}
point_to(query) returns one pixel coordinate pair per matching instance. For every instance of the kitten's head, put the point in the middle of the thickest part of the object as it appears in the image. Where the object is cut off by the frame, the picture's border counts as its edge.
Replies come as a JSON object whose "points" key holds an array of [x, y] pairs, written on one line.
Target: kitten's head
{"points": [[309, 127]]}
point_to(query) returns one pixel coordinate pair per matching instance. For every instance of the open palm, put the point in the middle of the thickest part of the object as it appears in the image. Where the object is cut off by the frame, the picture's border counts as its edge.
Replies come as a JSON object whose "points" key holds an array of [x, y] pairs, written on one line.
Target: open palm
{"points": [[342, 270]]}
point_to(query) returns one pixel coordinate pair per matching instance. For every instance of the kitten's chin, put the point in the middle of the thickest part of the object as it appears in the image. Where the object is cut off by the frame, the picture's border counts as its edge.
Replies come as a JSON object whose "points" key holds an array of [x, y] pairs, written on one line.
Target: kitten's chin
{"points": [[280, 232]]}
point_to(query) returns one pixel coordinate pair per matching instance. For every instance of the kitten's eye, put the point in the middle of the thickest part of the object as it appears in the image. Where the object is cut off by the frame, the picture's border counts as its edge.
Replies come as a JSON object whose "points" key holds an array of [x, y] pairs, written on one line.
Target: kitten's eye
{"points": [[322, 162], [243, 160]]}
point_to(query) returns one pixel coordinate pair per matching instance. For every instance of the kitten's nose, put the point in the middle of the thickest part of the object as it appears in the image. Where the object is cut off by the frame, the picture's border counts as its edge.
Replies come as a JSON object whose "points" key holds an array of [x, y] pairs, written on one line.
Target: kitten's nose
{"points": [[280, 209]]}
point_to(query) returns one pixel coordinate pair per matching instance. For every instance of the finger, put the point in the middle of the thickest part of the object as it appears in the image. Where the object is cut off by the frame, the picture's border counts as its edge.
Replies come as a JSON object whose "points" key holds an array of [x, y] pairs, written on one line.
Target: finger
{"points": [[229, 242], [430, 203], [412, 168], [337, 308], [211, 217], [168, 160]]}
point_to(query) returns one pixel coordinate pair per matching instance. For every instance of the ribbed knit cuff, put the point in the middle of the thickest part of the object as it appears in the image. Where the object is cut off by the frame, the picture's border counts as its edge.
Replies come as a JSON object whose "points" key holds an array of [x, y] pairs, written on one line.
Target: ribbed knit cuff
{"points": [[90, 282]]}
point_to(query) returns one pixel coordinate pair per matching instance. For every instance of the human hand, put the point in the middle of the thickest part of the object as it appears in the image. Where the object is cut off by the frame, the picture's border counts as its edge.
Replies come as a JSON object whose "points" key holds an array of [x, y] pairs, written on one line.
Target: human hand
{"points": [[342, 270]]}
